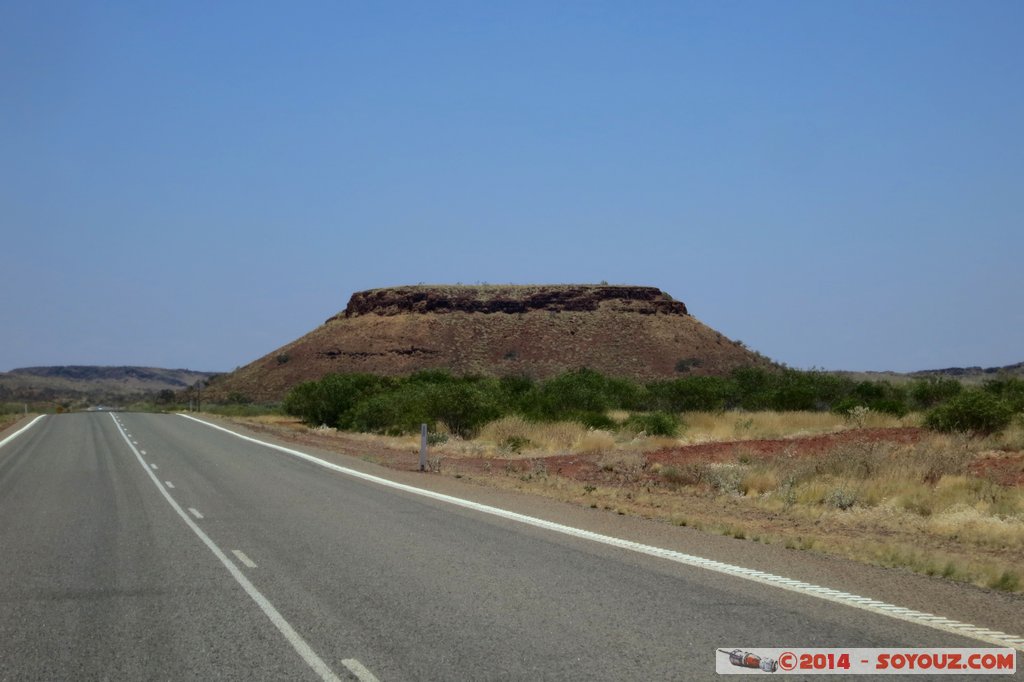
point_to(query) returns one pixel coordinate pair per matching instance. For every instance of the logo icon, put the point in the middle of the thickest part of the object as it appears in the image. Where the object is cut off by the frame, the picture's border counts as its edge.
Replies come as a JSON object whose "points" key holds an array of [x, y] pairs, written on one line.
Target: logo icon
{"points": [[745, 659]]}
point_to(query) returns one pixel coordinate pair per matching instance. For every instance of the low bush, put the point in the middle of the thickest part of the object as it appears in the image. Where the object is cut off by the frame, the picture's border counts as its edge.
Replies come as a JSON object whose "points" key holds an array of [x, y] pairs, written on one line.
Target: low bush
{"points": [[332, 399], [653, 424], [927, 393], [1011, 390], [583, 392], [464, 404], [972, 411], [692, 394]]}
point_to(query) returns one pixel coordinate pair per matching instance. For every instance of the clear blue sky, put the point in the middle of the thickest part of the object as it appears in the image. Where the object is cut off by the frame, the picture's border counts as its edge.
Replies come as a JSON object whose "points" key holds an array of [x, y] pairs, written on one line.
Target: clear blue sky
{"points": [[193, 184]]}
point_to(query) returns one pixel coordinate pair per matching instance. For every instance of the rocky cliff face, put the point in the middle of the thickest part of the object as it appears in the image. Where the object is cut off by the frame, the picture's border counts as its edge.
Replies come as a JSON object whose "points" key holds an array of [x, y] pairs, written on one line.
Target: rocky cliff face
{"points": [[511, 300]]}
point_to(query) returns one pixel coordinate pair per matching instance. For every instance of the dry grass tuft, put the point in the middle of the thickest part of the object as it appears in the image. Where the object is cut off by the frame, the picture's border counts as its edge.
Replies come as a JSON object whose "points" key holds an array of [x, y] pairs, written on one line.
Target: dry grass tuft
{"points": [[533, 438], [724, 426], [758, 481], [594, 442], [623, 462]]}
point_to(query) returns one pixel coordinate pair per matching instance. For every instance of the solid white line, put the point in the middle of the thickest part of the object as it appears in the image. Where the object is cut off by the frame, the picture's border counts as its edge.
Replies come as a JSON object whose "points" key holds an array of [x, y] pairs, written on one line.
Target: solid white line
{"points": [[20, 431], [169, 484], [243, 558], [283, 626], [828, 594], [195, 513], [359, 670]]}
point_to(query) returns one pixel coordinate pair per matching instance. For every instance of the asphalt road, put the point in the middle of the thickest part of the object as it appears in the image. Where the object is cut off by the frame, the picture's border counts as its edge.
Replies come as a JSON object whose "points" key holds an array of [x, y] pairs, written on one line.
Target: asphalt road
{"points": [[110, 570]]}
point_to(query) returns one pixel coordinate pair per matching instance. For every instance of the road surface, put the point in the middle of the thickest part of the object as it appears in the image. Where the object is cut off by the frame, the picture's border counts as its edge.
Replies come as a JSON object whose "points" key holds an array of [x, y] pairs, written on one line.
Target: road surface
{"points": [[144, 546]]}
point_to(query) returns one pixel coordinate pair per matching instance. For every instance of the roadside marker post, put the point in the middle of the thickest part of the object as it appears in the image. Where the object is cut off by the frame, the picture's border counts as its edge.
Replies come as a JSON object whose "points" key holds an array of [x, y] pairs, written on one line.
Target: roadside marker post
{"points": [[423, 447]]}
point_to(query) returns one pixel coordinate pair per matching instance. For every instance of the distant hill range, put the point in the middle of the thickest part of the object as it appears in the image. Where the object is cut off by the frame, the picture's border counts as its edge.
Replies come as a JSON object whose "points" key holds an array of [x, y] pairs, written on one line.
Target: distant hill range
{"points": [[539, 331], [78, 383], [967, 375]]}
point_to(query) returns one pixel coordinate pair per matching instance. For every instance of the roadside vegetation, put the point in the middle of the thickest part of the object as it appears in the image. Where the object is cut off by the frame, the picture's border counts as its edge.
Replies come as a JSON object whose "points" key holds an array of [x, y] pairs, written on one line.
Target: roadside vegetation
{"points": [[10, 413], [464, 405], [925, 475]]}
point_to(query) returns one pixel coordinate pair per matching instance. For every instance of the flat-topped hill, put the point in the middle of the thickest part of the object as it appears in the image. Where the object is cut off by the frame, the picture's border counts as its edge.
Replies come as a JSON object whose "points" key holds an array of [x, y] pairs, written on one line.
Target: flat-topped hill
{"points": [[540, 331]]}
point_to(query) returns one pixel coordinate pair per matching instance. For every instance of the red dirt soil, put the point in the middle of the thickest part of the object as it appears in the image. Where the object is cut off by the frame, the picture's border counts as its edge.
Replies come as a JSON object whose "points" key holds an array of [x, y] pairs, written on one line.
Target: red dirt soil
{"points": [[1005, 468]]}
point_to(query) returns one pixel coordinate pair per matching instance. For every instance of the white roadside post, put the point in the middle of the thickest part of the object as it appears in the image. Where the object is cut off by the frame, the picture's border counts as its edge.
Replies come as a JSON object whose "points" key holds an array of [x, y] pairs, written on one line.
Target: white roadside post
{"points": [[423, 447]]}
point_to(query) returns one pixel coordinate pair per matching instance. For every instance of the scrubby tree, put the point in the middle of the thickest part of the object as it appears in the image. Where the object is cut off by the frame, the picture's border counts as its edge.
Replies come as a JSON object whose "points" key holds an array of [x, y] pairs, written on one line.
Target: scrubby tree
{"points": [[973, 411]]}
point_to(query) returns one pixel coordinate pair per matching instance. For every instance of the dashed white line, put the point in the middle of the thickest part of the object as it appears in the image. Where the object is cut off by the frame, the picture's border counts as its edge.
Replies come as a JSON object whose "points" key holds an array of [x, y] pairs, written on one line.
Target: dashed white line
{"points": [[155, 467], [243, 558], [142, 451], [825, 593], [282, 625], [169, 485], [195, 512], [359, 670]]}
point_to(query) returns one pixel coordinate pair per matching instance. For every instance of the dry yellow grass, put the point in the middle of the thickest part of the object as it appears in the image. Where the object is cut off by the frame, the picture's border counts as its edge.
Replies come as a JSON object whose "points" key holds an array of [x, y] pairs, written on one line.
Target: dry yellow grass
{"points": [[514, 436], [594, 442], [702, 427], [913, 506], [1011, 438]]}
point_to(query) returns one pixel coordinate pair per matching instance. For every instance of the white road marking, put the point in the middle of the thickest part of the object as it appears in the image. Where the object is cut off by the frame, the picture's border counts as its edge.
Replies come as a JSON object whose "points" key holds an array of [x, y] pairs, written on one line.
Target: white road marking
{"points": [[243, 558], [828, 594], [194, 512], [20, 431], [142, 451], [155, 467], [283, 626], [169, 484], [359, 670]]}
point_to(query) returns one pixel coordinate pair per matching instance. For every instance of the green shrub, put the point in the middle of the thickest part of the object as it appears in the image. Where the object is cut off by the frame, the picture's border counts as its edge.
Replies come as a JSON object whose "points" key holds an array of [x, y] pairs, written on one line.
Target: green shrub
{"points": [[654, 423], [582, 391], [927, 393], [436, 438], [330, 400], [236, 398], [752, 389], [395, 412], [692, 394], [893, 406], [592, 420], [880, 396], [1010, 390], [972, 411], [686, 364], [462, 406]]}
